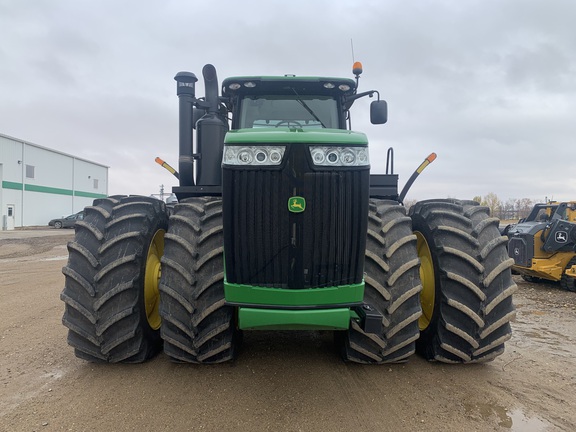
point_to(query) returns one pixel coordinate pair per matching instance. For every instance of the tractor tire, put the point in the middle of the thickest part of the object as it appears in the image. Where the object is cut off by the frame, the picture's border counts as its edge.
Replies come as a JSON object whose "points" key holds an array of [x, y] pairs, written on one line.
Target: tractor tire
{"points": [[392, 286], [566, 282], [197, 326], [111, 280], [467, 283]]}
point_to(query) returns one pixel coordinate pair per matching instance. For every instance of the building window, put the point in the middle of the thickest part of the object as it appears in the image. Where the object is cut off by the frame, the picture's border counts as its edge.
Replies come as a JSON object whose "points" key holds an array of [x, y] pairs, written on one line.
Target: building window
{"points": [[95, 183], [30, 171]]}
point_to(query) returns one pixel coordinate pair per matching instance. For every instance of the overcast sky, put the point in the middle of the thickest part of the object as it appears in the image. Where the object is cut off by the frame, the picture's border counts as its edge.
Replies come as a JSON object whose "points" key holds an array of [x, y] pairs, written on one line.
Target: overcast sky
{"points": [[489, 85]]}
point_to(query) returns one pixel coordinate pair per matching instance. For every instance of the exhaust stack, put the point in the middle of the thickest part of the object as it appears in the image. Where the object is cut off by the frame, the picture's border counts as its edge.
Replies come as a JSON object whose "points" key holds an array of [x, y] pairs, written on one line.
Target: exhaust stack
{"points": [[210, 129]]}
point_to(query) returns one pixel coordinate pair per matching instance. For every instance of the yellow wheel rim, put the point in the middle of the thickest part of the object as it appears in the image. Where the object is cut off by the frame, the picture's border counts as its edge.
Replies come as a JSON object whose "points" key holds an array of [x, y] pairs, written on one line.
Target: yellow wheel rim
{"points": [[428, 293], [152, 280]]}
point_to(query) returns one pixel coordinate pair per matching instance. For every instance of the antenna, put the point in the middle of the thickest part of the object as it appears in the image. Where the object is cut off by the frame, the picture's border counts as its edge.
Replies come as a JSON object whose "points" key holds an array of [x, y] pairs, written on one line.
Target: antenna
{"points": [[352, 48]]}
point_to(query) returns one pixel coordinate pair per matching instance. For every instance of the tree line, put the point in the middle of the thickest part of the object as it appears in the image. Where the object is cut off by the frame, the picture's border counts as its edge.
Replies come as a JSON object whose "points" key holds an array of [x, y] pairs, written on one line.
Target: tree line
{"points": [[512, 208]]}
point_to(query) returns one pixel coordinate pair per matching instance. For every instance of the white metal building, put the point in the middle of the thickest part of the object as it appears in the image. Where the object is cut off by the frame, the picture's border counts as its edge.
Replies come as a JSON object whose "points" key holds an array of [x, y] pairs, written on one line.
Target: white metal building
{"points": [[39, 184]]}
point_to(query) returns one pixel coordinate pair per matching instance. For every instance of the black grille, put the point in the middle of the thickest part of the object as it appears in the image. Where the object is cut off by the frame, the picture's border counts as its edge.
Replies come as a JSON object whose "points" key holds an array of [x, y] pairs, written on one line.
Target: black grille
{"points": [[521, 248], [266, 245]]}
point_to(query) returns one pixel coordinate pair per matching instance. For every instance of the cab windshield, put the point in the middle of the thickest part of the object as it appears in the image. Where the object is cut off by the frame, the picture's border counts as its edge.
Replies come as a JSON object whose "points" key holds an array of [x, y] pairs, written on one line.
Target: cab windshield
{"points": [[294, 111]]}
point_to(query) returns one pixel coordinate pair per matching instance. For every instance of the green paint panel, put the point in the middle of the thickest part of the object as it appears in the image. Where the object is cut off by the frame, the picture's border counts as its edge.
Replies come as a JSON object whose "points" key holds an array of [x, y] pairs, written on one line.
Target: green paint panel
{"points": [[279, 136], [50, 190], [89, 194], [247, 294], [11, 185], [274, 319]]}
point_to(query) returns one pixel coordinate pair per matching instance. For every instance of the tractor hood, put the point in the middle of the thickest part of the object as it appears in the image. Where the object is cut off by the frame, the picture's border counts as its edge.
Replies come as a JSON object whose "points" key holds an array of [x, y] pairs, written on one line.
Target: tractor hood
{"points": [[295, 135]]}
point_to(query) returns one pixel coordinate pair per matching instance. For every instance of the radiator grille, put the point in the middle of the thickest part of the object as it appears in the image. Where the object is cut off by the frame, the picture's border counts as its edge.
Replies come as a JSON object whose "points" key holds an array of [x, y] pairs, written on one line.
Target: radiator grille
{"points": [[266, 245]]}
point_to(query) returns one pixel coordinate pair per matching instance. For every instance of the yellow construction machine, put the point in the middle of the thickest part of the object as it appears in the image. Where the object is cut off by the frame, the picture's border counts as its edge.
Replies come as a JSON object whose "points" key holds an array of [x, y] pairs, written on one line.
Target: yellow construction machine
{"points": [[543, 245]]}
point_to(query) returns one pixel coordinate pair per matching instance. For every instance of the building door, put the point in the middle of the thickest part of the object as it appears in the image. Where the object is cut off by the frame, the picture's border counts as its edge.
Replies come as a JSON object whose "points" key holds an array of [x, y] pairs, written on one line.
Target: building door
{"points": [[9, 217]]}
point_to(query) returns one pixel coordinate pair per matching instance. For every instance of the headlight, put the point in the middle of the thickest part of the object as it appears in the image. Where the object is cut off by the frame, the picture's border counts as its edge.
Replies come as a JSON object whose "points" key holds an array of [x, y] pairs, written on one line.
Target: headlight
{"points": [[340, 156], [253, 156]]}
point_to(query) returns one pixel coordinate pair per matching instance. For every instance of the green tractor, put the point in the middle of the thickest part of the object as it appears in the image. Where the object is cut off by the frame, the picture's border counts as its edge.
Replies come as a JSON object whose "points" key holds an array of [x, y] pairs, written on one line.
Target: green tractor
{"points": [[279, 225]]}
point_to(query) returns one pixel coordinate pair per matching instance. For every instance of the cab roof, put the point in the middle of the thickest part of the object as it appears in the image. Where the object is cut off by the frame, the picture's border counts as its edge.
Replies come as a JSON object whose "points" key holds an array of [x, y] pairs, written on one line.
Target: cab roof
{"points": [[260, 85]]}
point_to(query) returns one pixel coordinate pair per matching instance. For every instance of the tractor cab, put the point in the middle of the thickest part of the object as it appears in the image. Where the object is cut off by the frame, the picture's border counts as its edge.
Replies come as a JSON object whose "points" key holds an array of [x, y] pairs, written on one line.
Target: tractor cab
{"points": [[303, 103]]}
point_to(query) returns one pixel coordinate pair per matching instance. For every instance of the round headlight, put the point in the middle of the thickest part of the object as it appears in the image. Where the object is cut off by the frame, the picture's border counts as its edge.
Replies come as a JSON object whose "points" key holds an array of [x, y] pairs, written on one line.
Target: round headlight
{"points": [[234, 86], [275, 156], [261, 156], [245, 156], [362, 156], [332, 157], [318, 156], [347, 157]]}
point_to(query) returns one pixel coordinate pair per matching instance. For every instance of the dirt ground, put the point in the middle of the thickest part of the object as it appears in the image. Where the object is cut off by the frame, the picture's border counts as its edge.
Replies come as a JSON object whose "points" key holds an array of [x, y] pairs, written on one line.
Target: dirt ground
{"points": [[286, 381]]}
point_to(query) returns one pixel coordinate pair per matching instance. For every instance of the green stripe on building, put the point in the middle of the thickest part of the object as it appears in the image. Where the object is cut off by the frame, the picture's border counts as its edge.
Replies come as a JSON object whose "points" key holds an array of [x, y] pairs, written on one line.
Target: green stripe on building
{"points": [[11, 185], [88, 194], [50, 190]]}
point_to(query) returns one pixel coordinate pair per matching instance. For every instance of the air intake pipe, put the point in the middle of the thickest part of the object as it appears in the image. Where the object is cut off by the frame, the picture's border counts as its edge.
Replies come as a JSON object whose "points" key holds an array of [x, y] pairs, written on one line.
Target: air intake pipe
{"points": [[185, 89]]}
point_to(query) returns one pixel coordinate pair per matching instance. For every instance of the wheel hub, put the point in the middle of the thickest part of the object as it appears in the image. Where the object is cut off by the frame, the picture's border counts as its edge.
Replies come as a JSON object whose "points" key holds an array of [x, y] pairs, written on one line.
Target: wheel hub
{"points": [[152, 280], [428, 293]]}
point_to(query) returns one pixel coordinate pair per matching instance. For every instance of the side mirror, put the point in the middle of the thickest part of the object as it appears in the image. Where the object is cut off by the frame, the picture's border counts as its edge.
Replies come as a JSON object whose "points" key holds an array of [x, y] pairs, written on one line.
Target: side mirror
{"points": [[378, 112]]}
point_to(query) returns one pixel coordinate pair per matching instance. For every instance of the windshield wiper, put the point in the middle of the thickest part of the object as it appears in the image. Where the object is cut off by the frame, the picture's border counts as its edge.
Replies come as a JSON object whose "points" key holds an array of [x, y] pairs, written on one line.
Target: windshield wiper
{"points": [[305, 105]]}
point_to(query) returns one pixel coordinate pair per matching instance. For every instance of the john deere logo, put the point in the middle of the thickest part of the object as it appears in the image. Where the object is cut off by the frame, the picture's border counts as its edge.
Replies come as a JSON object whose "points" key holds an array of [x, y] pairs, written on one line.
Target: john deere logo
{"points": [[296, 204]]}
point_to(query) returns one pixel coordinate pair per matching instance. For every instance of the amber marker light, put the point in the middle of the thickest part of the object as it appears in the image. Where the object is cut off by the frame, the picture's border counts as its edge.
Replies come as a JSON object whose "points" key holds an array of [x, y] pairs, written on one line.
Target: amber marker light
{"points": [[431, 158], [167, 167]]}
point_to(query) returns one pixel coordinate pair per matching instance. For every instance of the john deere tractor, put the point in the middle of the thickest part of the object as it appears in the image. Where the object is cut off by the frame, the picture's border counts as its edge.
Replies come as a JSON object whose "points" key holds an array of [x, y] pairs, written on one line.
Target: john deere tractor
{"points": [[543, 245], [280, 225]]}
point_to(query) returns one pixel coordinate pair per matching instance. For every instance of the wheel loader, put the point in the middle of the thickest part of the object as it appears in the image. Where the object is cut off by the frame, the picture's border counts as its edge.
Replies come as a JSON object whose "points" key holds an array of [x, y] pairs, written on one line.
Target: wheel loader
{"points": [[280, 225], [543, 245]]}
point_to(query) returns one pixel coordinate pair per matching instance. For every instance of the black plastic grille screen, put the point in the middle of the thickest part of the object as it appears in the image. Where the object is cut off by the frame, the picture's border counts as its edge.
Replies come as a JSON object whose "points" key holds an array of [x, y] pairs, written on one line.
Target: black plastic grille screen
{"points": [[521, 248], [267, 245]]}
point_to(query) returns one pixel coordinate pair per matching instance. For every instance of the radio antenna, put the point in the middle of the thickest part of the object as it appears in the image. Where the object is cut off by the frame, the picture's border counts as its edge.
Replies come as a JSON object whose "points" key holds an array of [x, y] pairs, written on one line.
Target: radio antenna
{"points": [[352, 48]]}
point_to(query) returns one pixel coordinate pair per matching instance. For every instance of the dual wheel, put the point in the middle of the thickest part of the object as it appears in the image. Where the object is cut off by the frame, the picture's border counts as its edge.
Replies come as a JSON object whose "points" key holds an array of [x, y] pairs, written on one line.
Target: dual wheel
{"points": [[440, 277], [441, 280], [123, 256]]}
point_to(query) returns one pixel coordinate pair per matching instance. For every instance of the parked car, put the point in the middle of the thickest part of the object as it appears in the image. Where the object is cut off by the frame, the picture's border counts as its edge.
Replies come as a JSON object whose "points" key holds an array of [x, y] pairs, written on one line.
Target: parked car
{"points": [[68, 221]]}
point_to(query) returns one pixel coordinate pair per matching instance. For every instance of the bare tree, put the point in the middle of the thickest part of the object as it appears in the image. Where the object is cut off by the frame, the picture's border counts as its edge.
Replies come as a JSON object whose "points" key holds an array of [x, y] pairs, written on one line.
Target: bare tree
{"points": [[492, 202], [523, 207], [508, 209]]}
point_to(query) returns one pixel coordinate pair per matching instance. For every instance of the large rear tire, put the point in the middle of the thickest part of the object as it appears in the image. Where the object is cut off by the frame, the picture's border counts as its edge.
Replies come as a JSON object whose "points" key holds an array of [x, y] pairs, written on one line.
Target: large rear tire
{"points": [[197, 326], [392, 286], [467, 282], [111, 280]]}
